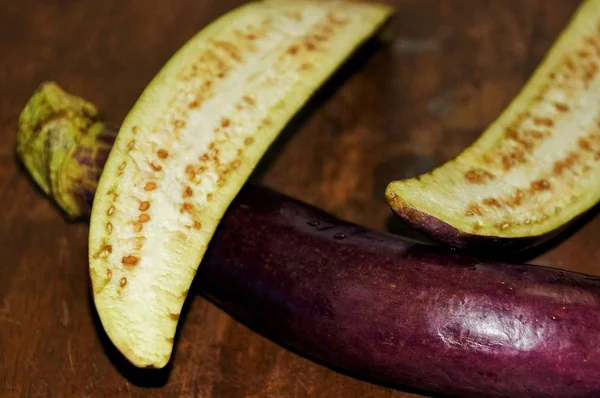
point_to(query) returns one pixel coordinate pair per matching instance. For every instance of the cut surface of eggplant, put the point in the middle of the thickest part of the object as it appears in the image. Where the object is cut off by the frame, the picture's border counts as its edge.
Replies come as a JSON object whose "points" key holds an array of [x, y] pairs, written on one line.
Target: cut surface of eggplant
{"points": [[535, 169], [189, 144]]}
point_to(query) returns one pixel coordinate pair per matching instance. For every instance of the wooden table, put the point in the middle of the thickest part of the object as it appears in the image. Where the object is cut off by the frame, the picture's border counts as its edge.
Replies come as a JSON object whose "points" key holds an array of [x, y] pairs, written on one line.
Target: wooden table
{"points": [[451, 69]]}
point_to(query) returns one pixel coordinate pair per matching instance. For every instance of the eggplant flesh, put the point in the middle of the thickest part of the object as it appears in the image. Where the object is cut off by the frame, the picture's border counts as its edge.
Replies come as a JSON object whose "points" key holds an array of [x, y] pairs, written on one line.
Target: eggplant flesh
{"points": [[189, 144], [534, 170], [402, 313]]}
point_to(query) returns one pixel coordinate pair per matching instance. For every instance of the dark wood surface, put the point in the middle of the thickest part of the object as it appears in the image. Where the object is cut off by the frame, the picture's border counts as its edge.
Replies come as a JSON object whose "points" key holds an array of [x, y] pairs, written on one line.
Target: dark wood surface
{"points": [[452, 66]]}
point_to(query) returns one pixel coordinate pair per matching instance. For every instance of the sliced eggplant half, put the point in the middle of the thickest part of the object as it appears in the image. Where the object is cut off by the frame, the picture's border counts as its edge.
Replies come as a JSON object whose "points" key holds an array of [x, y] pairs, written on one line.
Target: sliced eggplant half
{"points": [[534, 170], [189, 144]]}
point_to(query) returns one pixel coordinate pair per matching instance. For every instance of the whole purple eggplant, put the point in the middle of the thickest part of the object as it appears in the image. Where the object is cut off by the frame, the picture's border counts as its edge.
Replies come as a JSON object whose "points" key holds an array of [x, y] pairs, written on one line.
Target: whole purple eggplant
{"points": [[415, 315], [359, 300]]}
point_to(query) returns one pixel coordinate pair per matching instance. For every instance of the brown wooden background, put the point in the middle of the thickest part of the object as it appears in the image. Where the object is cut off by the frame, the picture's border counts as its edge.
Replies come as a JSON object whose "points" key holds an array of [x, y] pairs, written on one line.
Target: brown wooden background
{"points": [[452, 67]]}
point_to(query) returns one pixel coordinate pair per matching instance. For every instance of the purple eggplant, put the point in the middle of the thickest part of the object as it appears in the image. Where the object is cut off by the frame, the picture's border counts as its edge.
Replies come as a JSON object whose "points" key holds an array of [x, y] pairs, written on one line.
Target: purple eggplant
{"points": [[365, 302], [402, 313]]}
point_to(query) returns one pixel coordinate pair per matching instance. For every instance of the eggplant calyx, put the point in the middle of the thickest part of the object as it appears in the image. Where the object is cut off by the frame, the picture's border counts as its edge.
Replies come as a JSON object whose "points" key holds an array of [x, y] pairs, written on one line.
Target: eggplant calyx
{"points": [[63, 143]]}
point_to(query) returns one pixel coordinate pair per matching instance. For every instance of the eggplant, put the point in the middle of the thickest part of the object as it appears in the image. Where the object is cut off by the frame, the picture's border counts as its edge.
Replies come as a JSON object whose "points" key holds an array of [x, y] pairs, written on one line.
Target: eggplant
{"points": [[414, 315], [188, 145], [360, 301], [534, 171]]}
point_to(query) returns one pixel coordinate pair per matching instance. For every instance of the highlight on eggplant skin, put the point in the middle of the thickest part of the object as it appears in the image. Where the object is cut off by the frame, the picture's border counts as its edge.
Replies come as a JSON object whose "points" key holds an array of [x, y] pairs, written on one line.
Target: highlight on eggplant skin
{"points": [[386, 310], [534, 171]]}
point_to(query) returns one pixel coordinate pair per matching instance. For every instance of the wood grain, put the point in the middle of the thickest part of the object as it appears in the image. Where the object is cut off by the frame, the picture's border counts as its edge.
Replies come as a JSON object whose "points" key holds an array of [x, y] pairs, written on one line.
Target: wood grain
{"points": [[395, 111]]}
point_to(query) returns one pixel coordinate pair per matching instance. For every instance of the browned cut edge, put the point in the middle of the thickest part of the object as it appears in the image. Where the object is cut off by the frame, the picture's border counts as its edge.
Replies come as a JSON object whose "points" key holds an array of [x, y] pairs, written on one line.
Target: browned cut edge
{"points": [[446, 234]]}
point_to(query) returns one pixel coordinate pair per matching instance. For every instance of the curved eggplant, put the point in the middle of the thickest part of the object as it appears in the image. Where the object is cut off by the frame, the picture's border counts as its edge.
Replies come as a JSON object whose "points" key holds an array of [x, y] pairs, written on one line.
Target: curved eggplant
{"points": [[534, 170], [189, 144]]}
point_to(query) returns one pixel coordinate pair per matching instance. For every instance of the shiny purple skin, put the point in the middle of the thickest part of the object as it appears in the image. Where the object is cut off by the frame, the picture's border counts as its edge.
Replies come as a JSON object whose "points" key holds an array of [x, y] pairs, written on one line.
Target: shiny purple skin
{"points": [[410, 315]]}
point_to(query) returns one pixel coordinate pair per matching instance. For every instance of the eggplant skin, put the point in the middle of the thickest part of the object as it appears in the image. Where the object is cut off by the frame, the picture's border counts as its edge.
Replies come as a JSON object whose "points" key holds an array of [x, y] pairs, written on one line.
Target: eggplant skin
{"points": [[448, 235], [395, 312]]}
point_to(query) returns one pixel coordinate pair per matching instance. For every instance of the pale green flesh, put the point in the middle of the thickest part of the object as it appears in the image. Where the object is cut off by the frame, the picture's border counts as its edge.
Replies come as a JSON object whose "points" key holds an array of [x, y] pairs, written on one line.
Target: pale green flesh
{"points": [[204, 121], [537, 167]]}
